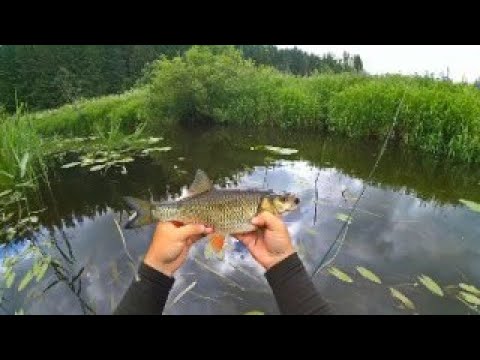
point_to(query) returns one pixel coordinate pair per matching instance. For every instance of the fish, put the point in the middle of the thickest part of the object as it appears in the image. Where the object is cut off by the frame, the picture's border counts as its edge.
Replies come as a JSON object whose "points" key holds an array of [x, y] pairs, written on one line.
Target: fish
{"points": [[228, 211]]}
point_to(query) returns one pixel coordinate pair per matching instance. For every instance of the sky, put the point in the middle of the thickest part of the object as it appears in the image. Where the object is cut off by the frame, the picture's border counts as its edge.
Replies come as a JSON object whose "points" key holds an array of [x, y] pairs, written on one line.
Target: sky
{"points": [[462, 60]]}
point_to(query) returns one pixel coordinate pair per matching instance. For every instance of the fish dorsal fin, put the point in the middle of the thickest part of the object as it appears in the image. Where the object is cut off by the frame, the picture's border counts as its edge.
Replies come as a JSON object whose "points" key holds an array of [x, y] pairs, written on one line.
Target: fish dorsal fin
{"points": [[201, 183]]}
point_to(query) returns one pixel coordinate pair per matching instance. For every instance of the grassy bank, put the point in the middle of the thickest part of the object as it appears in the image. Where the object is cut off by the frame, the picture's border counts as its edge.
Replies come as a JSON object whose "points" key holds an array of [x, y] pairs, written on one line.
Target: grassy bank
{"points": [[218, 85]]}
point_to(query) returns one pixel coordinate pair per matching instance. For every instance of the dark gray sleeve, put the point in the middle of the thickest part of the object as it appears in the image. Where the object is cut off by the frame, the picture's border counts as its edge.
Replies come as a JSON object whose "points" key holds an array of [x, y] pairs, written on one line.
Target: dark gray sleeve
{"points": [[147, 296], [294, 290]]}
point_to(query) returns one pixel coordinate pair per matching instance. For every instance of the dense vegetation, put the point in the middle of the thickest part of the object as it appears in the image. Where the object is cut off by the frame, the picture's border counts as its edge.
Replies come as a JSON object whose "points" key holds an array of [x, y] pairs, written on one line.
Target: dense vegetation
{"points": [[217, 84], [47, 76]]}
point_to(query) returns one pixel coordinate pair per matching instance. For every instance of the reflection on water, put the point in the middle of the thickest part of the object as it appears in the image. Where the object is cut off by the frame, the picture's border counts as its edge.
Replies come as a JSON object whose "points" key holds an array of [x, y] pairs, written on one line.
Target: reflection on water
{"points": [[408, 223]]}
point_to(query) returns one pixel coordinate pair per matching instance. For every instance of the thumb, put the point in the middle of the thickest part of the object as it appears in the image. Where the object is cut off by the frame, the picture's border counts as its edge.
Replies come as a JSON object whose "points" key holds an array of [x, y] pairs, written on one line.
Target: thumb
{"points": [[268, 220]]}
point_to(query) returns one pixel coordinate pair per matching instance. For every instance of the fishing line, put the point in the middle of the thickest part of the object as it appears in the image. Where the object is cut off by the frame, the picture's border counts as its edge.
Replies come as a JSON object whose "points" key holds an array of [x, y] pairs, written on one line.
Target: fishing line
{"points": [[343, 230]]}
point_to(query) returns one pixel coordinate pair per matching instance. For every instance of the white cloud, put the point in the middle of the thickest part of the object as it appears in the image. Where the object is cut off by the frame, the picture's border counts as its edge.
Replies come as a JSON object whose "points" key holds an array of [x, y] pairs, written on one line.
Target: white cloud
{"points": [[462, 60]]}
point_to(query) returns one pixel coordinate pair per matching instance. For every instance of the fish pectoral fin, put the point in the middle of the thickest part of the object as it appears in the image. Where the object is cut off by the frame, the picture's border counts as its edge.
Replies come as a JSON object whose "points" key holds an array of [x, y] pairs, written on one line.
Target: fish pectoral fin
{"points": [[201, 184], [216, 242], [215, 247]]}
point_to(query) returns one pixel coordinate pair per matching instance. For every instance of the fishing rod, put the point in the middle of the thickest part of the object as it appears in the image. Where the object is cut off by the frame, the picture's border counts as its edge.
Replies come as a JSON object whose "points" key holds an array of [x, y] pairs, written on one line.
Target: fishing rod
{"points": [[343, 230]]}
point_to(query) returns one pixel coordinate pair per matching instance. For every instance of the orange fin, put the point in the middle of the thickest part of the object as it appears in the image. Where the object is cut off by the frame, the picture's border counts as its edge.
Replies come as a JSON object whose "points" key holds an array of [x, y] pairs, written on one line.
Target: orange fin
{"points": [[177, 223], [217, 241]]}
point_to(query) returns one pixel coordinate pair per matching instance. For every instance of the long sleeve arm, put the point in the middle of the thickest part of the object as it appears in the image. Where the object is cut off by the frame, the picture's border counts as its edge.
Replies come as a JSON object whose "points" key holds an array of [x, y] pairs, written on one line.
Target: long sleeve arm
{"points": [[147, 296], [294, 291]]}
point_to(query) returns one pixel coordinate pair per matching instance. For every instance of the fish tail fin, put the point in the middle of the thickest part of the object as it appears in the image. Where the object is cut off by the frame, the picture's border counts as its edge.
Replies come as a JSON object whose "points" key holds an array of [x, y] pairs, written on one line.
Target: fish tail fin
{"points": [[143, 211]]}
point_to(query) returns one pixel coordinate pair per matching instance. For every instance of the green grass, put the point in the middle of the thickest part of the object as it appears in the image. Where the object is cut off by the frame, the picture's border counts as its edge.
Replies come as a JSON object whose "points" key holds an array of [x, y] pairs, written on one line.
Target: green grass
{"points": [[84, 117], [215, 84]]}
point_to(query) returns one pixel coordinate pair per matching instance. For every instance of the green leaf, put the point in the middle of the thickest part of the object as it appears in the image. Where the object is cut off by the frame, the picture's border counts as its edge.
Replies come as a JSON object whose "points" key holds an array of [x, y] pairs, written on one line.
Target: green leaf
{"points": [[254, 312], [9, 279], [470, 298], [125, 160], [344, 217], [6, 192], [101, 160], [26, 280], [430, 285], [369, 275], [471, 205], [97, 167], [399, 296], [70, 165], [470, 288], [275, 149], [154, 140], [23, 164], [148, 151], [340, 274], [42, 270]]}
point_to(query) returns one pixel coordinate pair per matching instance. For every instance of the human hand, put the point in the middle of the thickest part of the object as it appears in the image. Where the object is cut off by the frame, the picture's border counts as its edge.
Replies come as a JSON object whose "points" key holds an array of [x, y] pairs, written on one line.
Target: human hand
{"points": [[269, 245], [170, 245]]}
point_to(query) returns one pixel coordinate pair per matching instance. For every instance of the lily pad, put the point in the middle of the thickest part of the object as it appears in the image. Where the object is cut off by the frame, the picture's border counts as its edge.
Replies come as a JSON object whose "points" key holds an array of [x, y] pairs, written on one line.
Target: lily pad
{"points": [[72, 164], [154, 140], [471, 205], [431, 285], [148, 151], [26, 280], [340, 275], [275, 149], [9, 279], [470, 288], [470, 298], [403, 299], [369, 275], [97, 167]]}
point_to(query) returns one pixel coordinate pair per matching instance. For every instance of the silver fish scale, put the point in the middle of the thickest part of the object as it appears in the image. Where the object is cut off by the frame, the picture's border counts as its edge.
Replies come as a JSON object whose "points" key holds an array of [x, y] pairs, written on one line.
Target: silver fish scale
{"points": [[229, 211]]}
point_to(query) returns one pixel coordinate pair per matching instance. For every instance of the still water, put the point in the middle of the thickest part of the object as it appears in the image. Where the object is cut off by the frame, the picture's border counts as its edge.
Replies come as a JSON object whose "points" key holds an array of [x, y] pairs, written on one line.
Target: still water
{"points": [[408, 223]]}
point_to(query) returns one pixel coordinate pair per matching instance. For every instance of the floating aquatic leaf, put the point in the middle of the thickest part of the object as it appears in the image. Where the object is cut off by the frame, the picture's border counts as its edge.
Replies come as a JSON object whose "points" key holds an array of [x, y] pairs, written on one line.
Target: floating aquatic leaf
{"points": [[154, 140], [87, 162], [148, 151], [430, 285], [344, 217], [6, 192], [369, 275], [26, 280], [470, 288], [125, 160], [33, 219], [405, 301], [275, 149], [70, 165], [254, 312], [9, 279], [470, 298], [42, 270], [23, 164], [340, 274], [471, 205], [97, 167]]}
